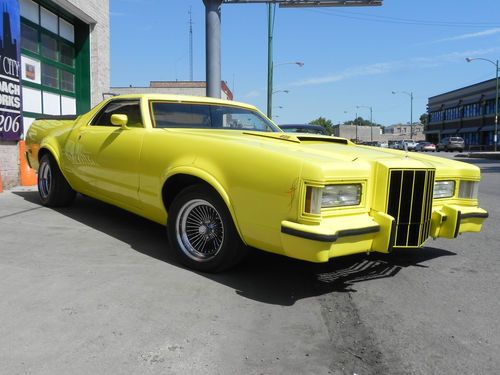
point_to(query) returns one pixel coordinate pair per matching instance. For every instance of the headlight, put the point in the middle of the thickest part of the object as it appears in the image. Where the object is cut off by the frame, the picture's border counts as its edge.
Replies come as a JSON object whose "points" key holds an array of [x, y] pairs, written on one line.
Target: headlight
{"points": [[341, 195], [332, 196], [468, 189], [444, 189]]}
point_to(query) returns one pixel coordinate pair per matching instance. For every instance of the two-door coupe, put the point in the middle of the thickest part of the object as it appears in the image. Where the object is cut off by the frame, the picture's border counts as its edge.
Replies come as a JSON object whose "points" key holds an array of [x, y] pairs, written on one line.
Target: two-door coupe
{"points": [[222, 178]]}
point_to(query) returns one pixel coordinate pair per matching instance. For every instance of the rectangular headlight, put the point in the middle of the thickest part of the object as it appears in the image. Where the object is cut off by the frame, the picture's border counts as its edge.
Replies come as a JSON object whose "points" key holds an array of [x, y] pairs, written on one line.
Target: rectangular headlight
{"points": [[468, 189], [444, 189], [341, 195], [332, 196]]}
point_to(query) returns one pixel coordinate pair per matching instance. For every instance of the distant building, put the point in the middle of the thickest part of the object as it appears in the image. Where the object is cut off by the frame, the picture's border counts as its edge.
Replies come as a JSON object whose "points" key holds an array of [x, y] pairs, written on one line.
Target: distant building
{"points": [[359, 132], [468, 112], [379, 134], [197, 88], [405, 131]]}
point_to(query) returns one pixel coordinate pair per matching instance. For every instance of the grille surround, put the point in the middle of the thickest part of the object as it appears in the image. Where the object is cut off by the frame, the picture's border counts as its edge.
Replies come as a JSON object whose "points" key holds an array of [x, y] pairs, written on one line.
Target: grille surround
{"points": [[410, 203]]}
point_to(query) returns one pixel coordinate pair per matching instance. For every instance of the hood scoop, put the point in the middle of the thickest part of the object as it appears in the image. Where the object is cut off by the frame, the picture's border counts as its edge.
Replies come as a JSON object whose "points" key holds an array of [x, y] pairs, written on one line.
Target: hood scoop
{"points": [[298, 138]]}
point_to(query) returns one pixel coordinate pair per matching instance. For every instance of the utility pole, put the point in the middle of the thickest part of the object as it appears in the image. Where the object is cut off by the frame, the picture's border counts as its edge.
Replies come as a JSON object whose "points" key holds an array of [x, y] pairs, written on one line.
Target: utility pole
{"points": [[190, 45], [270, 27], [212, 40]]}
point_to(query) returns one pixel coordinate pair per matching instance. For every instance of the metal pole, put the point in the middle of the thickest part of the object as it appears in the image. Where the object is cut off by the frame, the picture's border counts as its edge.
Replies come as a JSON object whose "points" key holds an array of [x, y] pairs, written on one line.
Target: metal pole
{"points": [[496, 111], [411, 115], [371, 124], [356, 124], [212, 40], [270, 61]]}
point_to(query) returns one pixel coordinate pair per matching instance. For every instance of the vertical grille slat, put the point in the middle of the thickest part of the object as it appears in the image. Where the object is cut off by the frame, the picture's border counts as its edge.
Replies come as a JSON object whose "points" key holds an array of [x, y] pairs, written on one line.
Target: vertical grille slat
{"points": [[410, 203]]}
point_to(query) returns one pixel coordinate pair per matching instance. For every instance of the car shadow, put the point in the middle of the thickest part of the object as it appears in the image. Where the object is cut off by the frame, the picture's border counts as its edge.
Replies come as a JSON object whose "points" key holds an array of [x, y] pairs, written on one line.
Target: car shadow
{"points": [[263, 277]]}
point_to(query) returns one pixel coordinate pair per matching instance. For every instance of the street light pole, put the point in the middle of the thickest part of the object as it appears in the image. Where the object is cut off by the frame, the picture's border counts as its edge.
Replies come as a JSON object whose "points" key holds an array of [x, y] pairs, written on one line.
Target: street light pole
{"points": [[270, 19], [410, 94], [495, 63], [270, 91]]}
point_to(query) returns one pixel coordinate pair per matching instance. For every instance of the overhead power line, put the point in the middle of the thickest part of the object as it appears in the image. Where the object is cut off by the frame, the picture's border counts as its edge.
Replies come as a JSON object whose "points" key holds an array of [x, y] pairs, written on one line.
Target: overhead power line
{"points": [[405, 21]]}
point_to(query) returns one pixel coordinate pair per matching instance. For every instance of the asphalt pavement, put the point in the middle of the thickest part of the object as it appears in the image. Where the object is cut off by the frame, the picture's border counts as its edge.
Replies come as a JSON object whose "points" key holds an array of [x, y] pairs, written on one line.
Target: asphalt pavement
{"points": [[91, 289]]}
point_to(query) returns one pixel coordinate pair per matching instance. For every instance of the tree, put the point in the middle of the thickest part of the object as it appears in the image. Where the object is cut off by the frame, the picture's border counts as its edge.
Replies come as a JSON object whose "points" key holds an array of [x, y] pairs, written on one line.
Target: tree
{"points": [[424, 119], [325, 123], [360, 121]]}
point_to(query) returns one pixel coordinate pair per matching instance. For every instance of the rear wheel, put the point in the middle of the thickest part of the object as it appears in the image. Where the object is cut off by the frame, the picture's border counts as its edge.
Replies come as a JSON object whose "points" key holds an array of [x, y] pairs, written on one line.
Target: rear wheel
{"points": [[201, 231], [53, 188]]}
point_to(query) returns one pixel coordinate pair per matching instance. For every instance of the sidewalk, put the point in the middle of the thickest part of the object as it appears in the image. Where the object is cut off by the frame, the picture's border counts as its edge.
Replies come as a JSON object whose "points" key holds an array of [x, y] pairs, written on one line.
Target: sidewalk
{"points": [[495, 155]]}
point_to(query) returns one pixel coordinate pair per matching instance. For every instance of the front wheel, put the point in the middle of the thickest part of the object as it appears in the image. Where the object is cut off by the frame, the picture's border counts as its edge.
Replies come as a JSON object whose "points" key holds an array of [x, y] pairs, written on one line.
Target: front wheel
{"points": [[53, 188], [201, 231]]}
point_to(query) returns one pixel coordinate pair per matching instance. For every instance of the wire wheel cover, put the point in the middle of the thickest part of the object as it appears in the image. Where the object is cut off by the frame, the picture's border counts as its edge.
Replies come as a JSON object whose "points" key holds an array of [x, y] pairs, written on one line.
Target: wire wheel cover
{"points": [[44, 179], [199, 230]]}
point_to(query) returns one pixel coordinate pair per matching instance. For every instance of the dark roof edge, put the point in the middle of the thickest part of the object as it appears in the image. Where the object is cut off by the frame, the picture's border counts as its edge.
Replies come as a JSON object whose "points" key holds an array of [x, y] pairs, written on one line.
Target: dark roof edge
{"points": [[462, 88]]}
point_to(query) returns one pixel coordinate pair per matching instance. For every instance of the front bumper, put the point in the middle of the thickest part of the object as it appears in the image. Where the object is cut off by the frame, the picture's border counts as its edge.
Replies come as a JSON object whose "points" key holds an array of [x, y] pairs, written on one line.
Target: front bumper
{"points": [[376, 232]]}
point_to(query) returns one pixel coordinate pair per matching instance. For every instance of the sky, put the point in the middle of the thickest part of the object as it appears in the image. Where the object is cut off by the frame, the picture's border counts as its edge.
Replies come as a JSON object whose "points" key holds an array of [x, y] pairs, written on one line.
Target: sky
{"points": [[354, 57]]}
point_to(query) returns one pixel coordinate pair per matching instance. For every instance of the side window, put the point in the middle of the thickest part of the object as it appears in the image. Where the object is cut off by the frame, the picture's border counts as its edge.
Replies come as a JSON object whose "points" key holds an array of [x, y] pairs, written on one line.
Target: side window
{"points": [[130, 108], [174, 115]]}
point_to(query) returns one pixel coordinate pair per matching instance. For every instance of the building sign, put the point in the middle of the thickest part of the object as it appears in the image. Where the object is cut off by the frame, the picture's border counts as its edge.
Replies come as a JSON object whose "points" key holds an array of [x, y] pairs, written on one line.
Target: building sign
{"points": [[11, 127]]}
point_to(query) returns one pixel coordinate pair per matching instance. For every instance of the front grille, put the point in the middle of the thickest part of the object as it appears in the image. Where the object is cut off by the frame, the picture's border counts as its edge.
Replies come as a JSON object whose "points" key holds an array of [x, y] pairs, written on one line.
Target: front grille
{"points": [[410, 203]]}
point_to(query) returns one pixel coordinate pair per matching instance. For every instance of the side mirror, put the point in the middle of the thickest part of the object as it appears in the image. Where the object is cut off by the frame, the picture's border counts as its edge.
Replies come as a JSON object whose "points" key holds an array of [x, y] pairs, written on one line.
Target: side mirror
{"points": [[119, 120]]}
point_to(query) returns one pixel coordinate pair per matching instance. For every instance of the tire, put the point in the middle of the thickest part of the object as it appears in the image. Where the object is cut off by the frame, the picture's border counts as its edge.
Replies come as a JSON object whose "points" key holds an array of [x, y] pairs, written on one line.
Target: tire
{"points": [[53, 188], [201, 231]]}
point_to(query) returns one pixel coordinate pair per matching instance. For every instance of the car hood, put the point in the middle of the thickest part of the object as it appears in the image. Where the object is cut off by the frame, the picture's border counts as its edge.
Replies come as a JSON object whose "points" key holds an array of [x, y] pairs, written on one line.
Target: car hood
{"points": [[327, 149]]}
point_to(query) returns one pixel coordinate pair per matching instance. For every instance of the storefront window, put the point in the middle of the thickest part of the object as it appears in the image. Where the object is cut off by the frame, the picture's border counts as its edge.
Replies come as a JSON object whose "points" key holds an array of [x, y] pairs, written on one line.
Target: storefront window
{"points": [[49, 47], [50, 61], [67, 81], [29, 38], [50, 76], [67, 54]]}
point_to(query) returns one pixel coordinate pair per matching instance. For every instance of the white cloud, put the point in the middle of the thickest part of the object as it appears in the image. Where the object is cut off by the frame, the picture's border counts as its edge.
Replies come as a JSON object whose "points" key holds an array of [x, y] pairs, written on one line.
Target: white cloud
{"points": [[392, 66], [252, 94], [467, 36]]}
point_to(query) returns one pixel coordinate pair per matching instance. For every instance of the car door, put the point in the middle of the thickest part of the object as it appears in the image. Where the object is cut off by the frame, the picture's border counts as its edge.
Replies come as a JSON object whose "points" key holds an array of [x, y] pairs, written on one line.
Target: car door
{"points": [[108, 155]]}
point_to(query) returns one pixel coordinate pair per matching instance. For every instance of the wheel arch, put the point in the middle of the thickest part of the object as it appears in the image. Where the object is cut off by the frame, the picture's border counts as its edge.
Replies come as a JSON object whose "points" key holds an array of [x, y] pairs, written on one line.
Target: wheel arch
{"points": [[45, 148], [180, 178]]}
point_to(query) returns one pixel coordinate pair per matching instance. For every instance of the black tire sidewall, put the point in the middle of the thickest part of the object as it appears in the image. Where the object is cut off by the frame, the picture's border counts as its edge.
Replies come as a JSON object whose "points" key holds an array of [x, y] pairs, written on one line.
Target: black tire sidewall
{"points": [[46, 201], [232, 246], [60, 192]]}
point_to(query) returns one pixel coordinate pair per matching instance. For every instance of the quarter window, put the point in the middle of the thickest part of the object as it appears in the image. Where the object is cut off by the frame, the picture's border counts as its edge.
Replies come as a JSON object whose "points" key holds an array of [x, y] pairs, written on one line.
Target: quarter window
{"points": [[130, 108]]}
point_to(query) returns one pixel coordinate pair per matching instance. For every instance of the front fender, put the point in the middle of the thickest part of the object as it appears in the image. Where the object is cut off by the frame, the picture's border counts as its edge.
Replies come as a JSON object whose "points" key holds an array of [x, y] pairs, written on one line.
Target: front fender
{"points": [[209, 179]]}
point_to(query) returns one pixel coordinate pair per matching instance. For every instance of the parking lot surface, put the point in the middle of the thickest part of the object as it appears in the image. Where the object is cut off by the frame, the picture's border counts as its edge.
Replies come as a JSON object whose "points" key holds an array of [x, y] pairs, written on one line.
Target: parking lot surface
{"points": [[92, 289]]}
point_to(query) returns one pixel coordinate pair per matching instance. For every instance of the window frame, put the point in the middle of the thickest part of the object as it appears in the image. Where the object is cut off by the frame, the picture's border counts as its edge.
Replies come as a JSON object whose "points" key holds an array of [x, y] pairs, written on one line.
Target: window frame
{"points": [[133, 101], [58, 64], [272, 128]]}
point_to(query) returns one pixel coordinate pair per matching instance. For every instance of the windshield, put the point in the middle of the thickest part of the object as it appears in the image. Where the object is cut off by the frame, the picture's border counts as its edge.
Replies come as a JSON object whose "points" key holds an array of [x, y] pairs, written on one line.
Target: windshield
{"points": [[210, 116]]}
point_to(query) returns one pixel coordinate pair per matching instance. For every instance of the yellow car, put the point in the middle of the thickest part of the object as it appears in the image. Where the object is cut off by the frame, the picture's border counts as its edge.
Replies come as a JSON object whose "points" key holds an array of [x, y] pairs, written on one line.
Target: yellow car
{"points": [[222, 178]]}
